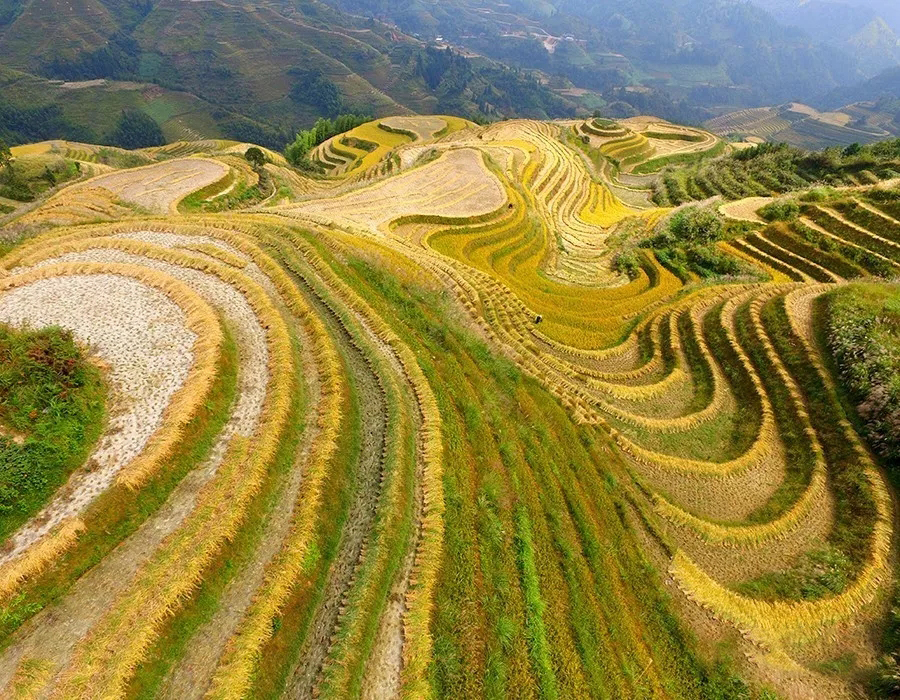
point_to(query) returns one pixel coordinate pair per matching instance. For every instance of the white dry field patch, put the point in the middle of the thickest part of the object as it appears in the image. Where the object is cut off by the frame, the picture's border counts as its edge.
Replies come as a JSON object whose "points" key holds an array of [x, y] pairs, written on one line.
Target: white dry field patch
{"points": [[160, 187], [672, 146], [248, 331], [423, 127], [639, 121], [745, 209], [188, 243], [457, 184], [178, 240], [142, 336]]}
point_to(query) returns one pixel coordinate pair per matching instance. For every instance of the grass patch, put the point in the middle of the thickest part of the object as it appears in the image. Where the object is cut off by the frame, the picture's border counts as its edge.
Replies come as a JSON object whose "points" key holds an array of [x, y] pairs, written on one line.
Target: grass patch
{"points": [[27, 177], [656, 164], [697, 365], [243, 195], [818, 574], [51, 413]]}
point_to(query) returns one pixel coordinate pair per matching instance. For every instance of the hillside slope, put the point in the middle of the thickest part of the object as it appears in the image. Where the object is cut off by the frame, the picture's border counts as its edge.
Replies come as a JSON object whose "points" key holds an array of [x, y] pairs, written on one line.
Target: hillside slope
{"points": [[257, 69], [479, 410], [712, 52], [807, 127]]}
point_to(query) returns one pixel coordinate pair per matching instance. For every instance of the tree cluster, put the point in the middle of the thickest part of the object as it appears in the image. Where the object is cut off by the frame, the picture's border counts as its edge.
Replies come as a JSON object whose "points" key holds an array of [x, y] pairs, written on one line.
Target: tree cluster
{"points": [[135, 129], [313, 88], [297, 151]]}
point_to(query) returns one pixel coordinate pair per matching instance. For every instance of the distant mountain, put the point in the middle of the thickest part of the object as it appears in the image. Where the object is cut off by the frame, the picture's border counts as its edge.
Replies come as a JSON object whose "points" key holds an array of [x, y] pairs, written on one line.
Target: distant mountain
{"points": [[830, 20], [257, 69], [876, 46], [702, 52], [884, 86], [867, 29]]}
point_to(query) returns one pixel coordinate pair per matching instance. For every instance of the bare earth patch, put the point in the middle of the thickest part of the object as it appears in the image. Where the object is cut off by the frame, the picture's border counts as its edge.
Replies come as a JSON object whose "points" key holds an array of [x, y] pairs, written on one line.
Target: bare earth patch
{"points": [[745, 209], [160, 187], [458, 184]]}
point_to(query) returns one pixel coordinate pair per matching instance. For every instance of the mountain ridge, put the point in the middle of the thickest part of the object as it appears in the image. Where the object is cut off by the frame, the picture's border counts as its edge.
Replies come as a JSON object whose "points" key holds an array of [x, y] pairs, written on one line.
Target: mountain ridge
{"points": [[565, 56]]}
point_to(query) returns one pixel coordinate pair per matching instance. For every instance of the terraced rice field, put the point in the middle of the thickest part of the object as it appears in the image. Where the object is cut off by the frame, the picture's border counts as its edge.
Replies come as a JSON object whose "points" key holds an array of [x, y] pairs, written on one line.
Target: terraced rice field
{"points": [[456, 185], [763, 122], [424, 128], [797, 124], [407, 433], [153, 189]]}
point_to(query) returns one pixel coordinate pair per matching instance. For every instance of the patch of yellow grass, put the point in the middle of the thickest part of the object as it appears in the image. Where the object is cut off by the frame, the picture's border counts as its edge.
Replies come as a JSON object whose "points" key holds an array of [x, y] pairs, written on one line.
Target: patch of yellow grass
{"points": [[37, 558]]}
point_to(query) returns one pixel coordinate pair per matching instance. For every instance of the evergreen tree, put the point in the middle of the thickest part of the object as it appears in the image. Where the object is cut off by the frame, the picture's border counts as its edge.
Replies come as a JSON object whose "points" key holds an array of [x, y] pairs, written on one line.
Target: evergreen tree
{"points": [[255, 157]]}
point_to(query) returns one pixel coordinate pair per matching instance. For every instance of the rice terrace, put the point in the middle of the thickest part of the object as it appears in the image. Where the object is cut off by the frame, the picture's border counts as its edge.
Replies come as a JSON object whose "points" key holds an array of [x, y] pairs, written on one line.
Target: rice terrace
{"points": [[538, 409]]}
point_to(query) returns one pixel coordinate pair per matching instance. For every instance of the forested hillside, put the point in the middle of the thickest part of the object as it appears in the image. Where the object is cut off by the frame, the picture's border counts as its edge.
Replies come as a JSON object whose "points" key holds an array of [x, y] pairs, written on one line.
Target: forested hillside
{"points": [[707, 53], [249, 70], [257, 70]]}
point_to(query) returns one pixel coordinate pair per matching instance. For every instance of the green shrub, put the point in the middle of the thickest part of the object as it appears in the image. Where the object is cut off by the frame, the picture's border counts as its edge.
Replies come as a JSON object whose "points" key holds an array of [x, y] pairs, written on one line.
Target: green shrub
{"points": [[780, 210], [686, 244], [863, 333], [17, 190], [886, 683], [704, 261], [709, 261], [818, 194], [691, 225], [627, 262]]}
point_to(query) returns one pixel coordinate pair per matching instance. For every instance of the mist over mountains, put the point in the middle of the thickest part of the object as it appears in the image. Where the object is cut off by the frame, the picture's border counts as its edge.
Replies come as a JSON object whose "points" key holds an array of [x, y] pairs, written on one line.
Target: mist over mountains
{"points": [[866, 29]]}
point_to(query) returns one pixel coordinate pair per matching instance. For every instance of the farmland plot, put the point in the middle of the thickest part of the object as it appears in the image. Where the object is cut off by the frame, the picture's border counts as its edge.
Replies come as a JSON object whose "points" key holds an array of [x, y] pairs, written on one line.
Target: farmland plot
{"points": [[415, 429], [159, 187], [457, 185]]}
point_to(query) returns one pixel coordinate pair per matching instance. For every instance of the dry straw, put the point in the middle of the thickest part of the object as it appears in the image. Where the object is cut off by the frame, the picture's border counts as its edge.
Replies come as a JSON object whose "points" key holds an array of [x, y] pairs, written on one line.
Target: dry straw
{"points": [[105, 660], [37, 558], [236, 668], [418, 643]]}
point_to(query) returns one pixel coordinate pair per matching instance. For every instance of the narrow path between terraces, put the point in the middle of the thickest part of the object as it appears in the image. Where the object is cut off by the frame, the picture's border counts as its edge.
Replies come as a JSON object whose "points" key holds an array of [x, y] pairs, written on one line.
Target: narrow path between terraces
{"points": [[367, 490]]}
